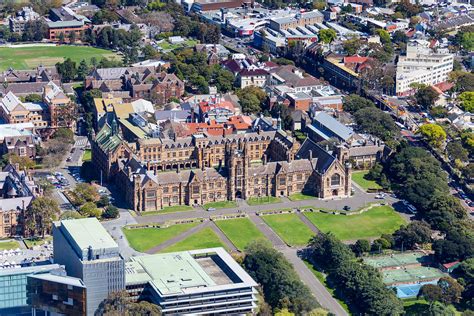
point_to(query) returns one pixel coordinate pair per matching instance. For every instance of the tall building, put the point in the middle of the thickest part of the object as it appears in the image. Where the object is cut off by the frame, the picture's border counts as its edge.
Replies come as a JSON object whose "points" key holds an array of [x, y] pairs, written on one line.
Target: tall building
{"points": [[421, 65], [196, 282], [89, 253]]}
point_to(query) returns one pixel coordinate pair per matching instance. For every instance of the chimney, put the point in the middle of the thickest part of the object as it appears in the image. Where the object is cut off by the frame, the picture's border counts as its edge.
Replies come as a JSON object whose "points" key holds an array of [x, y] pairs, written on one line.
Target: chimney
{"points": [[264, 159], [310, 154]]}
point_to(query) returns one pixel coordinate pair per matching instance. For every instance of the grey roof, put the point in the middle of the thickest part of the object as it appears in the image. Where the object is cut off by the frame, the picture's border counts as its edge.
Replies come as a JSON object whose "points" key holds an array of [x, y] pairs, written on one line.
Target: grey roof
{"points": [[88, 232], [172, 115], [59, 279], [324, 159], [331, 124]]}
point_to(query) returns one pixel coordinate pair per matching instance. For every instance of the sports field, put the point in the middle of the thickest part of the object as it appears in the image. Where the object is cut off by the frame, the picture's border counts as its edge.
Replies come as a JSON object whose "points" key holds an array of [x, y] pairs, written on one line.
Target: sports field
{"points": [[411, 275], [241, 231], [205, 238], [142, 239], [396, 260], [372, 223], [290, 228], [31, 57]]}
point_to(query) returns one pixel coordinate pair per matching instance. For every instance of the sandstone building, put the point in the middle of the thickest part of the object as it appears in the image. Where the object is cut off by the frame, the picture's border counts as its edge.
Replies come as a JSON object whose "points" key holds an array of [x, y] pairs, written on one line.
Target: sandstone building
{"points": [[157, 172]]}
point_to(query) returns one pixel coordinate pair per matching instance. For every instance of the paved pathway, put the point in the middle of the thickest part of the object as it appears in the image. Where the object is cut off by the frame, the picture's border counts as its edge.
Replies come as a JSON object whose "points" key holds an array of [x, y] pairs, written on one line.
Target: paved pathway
{"points": [[317, 288], [223, 237], [178, 238], [268, 232], [308, 223]]}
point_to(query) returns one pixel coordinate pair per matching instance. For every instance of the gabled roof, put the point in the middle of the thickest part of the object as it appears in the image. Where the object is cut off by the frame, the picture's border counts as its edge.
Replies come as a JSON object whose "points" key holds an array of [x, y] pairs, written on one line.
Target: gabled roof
{"points": [[324, 159], [107, 140]]}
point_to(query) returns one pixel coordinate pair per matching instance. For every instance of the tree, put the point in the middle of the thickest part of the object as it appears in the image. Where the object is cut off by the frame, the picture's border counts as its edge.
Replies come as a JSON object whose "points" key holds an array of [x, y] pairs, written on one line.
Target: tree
{"points": [[353, 103], [431, 293], [360, 247], [110, 212], [467, 101], [64, 135], [72, 37], [103, 201], [451, 290], [376, 122], [327, 35], [83, 193], [61, 38], [22, 161], [40, 214], [89, 209], [67, 70], [281, 286], [384, 36], [457, 151], [426, 96], [433, 133], [149, 52], [35, 98], [82, 70], [119, 304], [351, 46], [251, 99], [70, 215], [415, 233]]}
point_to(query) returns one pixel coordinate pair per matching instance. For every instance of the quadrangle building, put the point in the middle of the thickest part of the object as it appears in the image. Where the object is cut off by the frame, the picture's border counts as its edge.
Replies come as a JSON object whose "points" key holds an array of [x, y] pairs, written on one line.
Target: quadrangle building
{"points": [[154, 173]]}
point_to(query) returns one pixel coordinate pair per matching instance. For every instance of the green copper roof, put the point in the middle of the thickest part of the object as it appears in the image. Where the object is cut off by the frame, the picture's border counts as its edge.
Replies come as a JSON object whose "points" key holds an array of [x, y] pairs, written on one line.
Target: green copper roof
{"points": [[107, 140]]}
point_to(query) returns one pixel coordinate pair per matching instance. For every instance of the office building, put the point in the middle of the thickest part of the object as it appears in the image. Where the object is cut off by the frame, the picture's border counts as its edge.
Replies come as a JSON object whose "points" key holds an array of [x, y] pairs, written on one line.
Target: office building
{"points": [[89, 253], [421, 65], [13, 288], [197, 282]]}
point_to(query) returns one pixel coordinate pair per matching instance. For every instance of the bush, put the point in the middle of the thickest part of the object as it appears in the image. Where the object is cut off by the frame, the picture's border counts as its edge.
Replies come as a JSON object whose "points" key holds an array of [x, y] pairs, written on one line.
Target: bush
{"points": [[110, 212]]}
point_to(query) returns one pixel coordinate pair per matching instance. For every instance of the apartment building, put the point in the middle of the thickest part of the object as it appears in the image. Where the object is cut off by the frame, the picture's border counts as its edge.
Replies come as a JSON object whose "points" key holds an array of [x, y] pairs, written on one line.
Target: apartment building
{"points": [[300, 19], [17, 24], [13, 111], [421, 65]]}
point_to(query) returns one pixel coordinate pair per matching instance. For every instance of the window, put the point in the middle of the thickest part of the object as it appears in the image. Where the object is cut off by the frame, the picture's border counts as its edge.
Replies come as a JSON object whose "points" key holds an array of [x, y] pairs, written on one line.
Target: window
{"points": [[196, 189], [335, 180], [165, 189], [256, 181], [175, 189], [150, 194], [282, 181], [299, 177]]}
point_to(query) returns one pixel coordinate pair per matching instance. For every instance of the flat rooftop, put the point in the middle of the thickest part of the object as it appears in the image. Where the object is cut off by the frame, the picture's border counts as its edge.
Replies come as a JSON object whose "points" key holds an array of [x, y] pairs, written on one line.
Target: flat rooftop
{"points": [[88, 232], [187, 272]]}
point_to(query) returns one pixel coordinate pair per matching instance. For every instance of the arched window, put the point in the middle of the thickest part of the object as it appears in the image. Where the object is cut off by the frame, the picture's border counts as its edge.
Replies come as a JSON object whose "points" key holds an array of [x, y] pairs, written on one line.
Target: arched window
{"points": [[335, 180]]}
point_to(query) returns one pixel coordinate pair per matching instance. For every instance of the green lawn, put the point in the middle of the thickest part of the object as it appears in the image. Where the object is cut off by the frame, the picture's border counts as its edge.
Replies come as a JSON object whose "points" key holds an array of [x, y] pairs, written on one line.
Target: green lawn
{"points": [[221, 204], [169, 209], [168, 46], [415, 307], [322, 278], [31, 57], [36, 241], [290, 228], [142, 239], [373, 223], [359, 178], [205, 238], [10, 244], [87, 155], [241, 231], [301, 197], [263, 200]]}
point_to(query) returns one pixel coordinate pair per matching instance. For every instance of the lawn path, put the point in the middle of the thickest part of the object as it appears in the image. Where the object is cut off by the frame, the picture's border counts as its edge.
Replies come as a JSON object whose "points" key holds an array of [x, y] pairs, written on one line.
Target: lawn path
{"points": [[308, 223], [267, 231], [223, 237], [178, 238]]}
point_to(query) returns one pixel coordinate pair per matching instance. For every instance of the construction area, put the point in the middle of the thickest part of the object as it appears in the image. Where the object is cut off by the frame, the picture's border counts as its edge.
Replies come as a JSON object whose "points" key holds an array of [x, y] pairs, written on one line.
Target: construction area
{"points": [[406, 272]]}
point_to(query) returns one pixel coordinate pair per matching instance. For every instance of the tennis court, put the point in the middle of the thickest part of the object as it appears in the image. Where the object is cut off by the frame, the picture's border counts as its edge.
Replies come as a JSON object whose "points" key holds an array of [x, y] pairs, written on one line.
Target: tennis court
{"points": [[410, 290], [397, 260], [411, 275]]}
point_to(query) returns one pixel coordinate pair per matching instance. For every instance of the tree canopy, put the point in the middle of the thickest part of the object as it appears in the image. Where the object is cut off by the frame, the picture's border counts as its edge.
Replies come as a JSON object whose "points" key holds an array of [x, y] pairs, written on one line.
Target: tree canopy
{"points": [[433, 133]]}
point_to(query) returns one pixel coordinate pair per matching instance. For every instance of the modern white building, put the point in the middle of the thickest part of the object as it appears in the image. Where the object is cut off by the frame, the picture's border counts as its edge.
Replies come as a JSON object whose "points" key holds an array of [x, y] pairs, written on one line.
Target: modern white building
{"points": [[196, 282], [421, 65]]}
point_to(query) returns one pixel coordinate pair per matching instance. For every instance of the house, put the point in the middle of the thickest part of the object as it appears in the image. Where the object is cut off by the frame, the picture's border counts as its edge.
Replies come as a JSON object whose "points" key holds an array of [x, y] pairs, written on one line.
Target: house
{"points": [[13, 111]]}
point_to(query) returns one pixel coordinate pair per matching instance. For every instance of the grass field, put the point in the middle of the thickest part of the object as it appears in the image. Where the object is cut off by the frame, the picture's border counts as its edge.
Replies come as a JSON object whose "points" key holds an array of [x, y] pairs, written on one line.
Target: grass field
{"points": [[241, 231], [87, 155], [359, 178], [165, 45], [142, 239], [415, 307], [7, 245], [169, 209], [300, 197], [31, 57], [205, 238], [221, 204], [290, 228], [263, 200], [37, 241], [378, 220]]}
